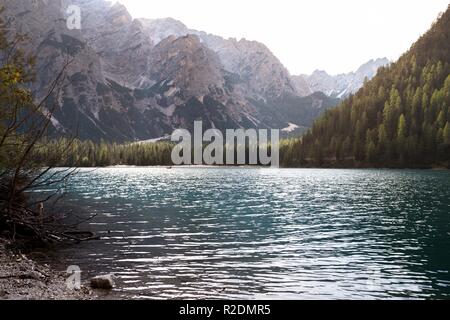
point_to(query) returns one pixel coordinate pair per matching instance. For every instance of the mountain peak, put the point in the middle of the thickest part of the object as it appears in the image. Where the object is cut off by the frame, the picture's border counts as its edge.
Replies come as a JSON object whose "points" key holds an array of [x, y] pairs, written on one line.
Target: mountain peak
{"points": [[159, 29], [168, 21], [342, 85], [370, 68], [119, 14], [320, 72], [185, 60]]}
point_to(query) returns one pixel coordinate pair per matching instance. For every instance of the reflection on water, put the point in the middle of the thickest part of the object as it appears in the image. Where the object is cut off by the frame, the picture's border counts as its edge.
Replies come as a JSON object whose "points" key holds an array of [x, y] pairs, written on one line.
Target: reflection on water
{"points": [[262, 233]]}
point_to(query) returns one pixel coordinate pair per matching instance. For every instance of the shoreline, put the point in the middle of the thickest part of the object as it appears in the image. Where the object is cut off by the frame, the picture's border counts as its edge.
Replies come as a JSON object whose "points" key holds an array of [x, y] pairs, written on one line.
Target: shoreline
{"points": [[168, 167], [22, 278]]}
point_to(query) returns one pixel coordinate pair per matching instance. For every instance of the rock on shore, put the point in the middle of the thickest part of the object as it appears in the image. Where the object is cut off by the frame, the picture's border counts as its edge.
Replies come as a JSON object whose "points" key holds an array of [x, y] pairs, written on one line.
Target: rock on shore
{"points": [[105, 282]]}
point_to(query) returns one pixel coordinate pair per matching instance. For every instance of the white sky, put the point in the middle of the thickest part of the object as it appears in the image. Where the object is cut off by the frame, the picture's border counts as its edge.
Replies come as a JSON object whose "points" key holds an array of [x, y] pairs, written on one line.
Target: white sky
{"points": [[336, 36]]}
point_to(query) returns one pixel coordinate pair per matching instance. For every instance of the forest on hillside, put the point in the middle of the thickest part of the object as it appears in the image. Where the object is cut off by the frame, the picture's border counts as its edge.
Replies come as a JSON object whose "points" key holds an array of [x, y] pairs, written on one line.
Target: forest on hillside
{"points": [[401, 118], [66, 152]]}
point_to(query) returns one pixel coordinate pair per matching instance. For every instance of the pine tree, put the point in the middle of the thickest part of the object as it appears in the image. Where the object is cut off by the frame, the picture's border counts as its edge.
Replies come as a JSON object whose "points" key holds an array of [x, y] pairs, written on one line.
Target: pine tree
{"points": [[371, 149], [401, 130]]}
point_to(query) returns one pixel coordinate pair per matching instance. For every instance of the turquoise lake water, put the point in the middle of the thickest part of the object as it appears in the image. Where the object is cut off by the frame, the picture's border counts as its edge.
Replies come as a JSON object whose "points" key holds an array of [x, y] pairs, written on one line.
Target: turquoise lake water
{"points": [[209, 233]]}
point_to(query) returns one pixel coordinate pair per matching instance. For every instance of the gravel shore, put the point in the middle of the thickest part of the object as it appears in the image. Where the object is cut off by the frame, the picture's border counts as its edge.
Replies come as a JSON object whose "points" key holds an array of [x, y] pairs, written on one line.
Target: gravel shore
{"points": [[23, 279]]}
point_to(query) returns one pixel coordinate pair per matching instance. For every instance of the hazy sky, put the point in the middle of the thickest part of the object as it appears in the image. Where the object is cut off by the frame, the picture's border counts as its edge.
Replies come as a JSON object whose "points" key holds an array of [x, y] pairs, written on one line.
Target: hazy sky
{"points": [[336, 36]]}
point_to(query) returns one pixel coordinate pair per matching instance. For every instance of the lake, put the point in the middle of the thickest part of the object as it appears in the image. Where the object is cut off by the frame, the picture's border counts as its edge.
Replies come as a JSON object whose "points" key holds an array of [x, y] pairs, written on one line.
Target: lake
{"points": [[243, 233]]}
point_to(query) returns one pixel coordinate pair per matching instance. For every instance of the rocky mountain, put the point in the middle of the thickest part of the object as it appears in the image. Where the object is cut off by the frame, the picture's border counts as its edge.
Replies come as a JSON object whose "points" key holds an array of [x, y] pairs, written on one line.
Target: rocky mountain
{"points": [[250, 60], [138, 79], [339, 86]]}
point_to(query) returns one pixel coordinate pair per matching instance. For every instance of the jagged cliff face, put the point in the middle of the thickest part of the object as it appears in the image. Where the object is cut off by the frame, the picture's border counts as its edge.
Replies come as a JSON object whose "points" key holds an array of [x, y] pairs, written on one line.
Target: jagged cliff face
{"points": [[141, 79], [188, 63], [340, 86], [255, 64], [302, 85], [120, 42], [252, 61]]}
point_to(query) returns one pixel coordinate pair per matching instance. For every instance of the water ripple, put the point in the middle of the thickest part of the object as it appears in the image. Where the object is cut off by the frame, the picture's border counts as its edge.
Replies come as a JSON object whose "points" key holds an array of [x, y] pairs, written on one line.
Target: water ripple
{"points": [[267, 234]]}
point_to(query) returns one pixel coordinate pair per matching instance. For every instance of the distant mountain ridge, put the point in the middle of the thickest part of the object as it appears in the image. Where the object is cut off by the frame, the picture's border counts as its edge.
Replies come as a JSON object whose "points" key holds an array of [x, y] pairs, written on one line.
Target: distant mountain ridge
{"points": [[339, 86], [251, 60], [237, 56]]}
